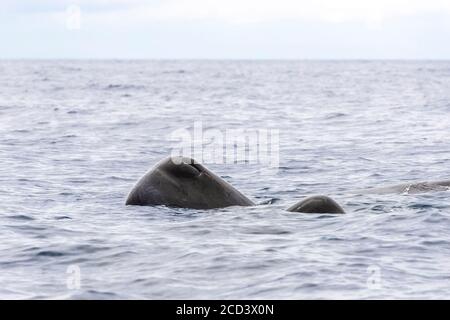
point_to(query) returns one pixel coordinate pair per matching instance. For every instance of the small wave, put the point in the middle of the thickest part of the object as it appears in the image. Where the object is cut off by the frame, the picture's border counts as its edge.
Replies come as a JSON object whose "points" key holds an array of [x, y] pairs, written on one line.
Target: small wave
{"points": [[124, 87], [270, 201], [380, 208], [63, 218], [120, 178], [268, 231], [438, 243], [180, 71], [21, 217], [50, 253], [78, 181], [420, 206], [92, 295], [335, 115], [66, 194], [332, 238], [70, 69]]}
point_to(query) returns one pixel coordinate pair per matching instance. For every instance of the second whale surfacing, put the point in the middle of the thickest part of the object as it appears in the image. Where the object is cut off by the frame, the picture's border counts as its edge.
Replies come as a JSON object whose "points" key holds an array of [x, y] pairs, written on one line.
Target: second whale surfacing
{"points": [[182, 182], [317, 204], [411, 188]]}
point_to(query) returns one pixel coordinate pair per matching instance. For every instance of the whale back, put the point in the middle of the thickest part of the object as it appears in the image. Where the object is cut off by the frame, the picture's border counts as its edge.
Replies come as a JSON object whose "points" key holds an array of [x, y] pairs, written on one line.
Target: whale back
{"points": [[411, 188], [317, 204]]}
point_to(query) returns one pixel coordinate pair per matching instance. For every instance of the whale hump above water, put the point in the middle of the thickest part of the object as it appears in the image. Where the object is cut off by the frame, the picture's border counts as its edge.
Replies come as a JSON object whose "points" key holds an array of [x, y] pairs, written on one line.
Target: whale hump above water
{"points": [[317, 204], [182, 182]]}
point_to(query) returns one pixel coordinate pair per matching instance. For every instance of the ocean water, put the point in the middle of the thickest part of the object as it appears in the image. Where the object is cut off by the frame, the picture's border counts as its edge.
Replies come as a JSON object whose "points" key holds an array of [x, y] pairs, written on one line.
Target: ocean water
{"points": [[76, 135]]}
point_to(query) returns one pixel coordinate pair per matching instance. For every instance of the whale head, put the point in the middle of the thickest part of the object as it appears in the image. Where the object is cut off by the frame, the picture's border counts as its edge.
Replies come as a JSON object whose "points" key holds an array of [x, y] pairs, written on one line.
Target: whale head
{"points": [[183, 182]]}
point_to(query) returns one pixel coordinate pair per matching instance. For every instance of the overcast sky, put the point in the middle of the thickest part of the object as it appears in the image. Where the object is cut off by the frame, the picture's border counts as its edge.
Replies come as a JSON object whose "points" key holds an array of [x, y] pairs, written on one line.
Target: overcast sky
{"points": [[226, 29]]}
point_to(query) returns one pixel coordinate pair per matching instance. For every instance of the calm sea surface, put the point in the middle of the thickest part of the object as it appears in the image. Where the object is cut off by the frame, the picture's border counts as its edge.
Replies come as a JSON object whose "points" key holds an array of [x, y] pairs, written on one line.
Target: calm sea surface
{"points": [[76, 135]]}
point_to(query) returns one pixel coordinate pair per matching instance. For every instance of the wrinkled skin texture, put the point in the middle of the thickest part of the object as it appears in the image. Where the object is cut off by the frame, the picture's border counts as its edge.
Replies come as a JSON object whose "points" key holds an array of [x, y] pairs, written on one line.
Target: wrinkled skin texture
{"points": [[317, 204], [181, 182]]}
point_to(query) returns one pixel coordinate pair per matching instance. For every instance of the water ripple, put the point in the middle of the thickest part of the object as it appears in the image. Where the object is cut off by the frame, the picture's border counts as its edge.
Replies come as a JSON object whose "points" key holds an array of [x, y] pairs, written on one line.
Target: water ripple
{"points": [[72, 147]]}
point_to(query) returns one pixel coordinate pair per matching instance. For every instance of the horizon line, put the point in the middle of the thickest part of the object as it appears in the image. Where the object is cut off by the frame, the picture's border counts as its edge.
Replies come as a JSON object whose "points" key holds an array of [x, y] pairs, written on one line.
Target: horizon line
{"points": [[219, 59]]}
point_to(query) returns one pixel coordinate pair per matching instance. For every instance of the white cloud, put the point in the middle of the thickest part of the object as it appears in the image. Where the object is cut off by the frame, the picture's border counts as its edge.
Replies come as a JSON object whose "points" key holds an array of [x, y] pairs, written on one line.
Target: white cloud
{"points": [[235, 11], [224, 29], [269, 10]]}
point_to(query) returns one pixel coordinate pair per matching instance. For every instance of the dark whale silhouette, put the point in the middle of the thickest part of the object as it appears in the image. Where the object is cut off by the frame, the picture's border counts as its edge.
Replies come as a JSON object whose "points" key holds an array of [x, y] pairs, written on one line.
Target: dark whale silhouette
{"points": [[182, 182], [317, 204], [412, 188]]}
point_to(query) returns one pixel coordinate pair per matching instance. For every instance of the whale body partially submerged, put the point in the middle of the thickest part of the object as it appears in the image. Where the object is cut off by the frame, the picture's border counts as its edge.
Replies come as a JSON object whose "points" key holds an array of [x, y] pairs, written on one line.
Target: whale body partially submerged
{"points": [[182, 182], [317, 204], [411, 188]]}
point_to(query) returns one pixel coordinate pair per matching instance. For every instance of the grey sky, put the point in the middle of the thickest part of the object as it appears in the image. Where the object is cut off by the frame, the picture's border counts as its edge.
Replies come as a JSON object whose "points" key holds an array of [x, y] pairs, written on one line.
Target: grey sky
{"points": [[223, 29]]}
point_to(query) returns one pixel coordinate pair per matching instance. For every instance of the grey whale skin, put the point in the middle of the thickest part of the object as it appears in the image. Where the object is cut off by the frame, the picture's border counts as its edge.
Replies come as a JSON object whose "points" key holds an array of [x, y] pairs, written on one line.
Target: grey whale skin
{"points": [[182, 182], [411, 188], [317, 204]]}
